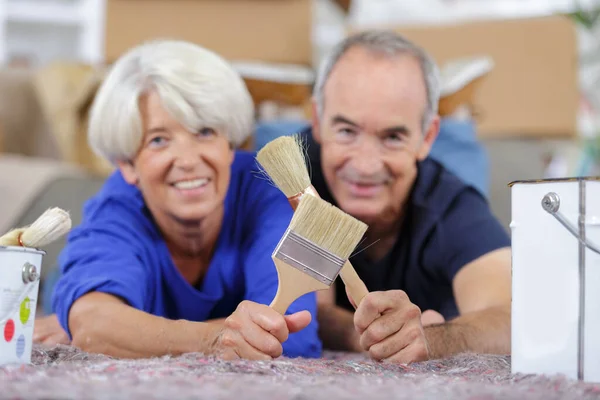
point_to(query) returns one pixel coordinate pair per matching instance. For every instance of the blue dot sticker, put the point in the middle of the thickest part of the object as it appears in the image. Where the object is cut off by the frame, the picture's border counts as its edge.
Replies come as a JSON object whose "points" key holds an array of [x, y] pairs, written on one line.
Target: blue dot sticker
{"points": [[20, 346]]}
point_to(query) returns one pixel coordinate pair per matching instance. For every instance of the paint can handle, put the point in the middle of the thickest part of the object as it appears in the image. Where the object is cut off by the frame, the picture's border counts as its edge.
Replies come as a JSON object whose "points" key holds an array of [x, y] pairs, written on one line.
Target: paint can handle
{"points": [[30, 277], [551, 204]]}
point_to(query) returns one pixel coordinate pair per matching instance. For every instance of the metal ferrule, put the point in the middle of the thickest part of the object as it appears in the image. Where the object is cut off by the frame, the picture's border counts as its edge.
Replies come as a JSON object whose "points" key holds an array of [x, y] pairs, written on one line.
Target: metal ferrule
{"points": [[295, 200], [309, 258]]}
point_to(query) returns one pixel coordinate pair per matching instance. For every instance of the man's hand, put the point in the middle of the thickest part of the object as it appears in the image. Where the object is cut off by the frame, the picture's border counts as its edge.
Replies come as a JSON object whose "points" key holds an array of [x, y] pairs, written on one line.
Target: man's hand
{"points": [[47, 330], [255, 331], [390, 327], [431, 317]]}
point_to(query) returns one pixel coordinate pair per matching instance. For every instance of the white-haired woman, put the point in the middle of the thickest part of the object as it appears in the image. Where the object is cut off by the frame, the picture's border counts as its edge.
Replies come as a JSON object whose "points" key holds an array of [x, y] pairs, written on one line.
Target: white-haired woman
{"points": [[173, 254]]}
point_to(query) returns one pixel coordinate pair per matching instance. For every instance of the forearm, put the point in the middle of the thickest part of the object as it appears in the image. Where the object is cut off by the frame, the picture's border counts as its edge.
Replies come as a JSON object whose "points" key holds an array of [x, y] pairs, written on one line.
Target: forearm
{"points": [[485, 331], [336, 328], [103, 324]]}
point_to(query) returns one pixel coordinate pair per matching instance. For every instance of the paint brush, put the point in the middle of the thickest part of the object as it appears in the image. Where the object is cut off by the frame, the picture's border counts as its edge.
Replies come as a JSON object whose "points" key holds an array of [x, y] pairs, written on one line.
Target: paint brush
{"points": [[49, 226], [313, 250], [284, 162]]}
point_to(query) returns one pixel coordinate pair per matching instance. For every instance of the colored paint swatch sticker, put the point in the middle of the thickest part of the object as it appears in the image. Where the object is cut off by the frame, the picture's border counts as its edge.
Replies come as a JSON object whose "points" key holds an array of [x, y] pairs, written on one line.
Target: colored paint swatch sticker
{"points": [[20, 346], [9, 330], [25, 310]]}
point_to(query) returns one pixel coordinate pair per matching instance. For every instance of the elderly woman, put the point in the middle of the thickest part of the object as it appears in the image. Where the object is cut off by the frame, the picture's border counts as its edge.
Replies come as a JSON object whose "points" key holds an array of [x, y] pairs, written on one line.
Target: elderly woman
{"points": [[174, 253]]}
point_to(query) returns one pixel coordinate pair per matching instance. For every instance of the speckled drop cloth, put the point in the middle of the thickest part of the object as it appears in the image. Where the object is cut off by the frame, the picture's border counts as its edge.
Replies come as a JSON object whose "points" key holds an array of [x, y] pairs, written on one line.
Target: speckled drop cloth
{"points": [[66, 373]]}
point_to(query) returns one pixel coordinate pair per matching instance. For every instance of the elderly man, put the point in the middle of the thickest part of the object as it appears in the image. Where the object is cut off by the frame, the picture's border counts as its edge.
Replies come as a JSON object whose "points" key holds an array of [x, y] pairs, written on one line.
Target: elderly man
{"points": [[437, 262]]}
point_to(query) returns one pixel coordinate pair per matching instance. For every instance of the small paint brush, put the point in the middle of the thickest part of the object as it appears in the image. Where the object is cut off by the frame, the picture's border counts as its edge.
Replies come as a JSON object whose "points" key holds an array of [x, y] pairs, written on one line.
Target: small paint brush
{"points": [[284, 161], [313, 250], [49, 226]]}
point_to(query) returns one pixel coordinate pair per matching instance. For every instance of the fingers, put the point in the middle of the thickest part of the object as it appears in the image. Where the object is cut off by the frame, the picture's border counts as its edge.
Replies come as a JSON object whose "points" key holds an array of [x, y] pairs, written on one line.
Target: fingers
{"points": [[47, 330], [414, 352], [233, 346], [298, 321], [266, 318], [390, 327], [255, 336], [388, 324], [38, 336], [54, 339], [256, 331], [376, 303], [406, 345]]}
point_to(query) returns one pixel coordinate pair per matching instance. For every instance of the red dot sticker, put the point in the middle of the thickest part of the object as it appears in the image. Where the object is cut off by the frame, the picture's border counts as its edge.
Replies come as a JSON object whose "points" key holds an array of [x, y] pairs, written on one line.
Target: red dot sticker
{"points": [[9, 330]]}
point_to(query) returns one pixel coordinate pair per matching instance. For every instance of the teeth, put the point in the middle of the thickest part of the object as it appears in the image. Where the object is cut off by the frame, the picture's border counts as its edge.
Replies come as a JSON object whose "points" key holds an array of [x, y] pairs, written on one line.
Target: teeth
{"points": [[196, 183]]}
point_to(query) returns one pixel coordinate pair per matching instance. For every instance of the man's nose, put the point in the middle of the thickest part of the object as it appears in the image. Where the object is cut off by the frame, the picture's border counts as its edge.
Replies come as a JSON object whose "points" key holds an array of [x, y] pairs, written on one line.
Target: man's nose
{"points": [[366, 157]]}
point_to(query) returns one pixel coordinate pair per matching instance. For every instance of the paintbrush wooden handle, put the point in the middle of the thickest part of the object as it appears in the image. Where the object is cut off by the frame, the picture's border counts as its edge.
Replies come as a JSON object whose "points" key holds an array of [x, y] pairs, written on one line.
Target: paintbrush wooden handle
{"points": [[356, 288], [293, 283]]}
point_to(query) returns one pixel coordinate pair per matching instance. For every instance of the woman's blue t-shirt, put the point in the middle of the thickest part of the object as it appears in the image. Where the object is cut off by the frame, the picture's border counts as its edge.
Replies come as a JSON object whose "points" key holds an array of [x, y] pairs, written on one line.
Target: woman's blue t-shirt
{"points": [[118, 249]]}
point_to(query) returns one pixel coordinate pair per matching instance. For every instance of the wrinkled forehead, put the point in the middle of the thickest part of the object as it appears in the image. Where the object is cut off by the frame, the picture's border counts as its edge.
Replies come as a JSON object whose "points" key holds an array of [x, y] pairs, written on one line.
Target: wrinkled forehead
{"points": [[372, 85]]}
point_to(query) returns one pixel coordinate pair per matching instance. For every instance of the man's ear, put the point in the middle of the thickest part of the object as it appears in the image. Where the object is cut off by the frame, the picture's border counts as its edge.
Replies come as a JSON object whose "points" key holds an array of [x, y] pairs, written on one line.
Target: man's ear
{"points": [[316, 132], [429, 139], [128, 171]]}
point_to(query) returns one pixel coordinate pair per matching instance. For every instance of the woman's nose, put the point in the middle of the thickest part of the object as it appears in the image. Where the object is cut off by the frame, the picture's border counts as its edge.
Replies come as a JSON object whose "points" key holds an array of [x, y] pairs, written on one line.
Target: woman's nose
{"points": [[186, 154]]}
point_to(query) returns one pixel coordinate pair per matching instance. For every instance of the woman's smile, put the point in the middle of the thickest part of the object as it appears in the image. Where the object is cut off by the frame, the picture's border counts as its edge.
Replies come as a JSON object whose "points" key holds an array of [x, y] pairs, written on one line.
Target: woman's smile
{"points": [[192, 187]]}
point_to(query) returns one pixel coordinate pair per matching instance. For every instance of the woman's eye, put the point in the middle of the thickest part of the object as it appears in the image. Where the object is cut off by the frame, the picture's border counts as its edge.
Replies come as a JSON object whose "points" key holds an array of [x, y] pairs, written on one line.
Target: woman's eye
{"points": [[206, 132], [157, 141]]}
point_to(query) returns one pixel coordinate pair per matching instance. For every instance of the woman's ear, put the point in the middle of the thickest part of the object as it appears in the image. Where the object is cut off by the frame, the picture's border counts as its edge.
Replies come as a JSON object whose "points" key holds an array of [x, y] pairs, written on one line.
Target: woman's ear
{"points": [[232, 151], [128, 171]]}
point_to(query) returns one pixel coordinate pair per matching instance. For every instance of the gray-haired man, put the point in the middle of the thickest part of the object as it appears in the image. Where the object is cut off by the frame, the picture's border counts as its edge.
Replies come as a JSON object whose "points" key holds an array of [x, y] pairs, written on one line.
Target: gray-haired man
{"points": [[439, 264]]}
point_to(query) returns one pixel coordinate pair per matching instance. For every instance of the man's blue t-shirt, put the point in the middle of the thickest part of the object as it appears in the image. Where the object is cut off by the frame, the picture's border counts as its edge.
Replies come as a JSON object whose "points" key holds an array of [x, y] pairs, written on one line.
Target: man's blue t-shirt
{"points": [[447, 224], [118, 249]]}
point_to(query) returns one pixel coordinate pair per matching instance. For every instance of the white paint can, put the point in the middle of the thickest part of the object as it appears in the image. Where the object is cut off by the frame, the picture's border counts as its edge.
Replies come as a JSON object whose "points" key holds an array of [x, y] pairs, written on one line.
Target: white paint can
{"points": [[20, 271], [556, 277]]}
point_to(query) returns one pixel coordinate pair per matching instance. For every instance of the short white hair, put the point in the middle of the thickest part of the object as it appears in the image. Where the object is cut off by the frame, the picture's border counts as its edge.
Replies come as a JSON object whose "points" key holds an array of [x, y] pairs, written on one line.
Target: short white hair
{"points": [[390, 44], [196, 86]]}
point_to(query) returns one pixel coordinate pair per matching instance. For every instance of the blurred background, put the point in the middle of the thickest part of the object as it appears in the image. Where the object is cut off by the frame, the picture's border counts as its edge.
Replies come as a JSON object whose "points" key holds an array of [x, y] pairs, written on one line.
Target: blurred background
{"points": [[527, 72]]}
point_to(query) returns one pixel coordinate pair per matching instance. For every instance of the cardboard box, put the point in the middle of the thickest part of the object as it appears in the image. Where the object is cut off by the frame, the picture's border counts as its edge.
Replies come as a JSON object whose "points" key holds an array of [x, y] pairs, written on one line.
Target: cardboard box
{"points": [[265, 30], [555, 278], [533, 89]]}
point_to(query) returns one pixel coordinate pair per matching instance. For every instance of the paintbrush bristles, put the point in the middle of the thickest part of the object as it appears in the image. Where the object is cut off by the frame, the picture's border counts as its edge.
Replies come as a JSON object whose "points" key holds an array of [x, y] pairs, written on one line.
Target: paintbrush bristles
{"points": [[283, 160], [50, 226], [327, 226]]}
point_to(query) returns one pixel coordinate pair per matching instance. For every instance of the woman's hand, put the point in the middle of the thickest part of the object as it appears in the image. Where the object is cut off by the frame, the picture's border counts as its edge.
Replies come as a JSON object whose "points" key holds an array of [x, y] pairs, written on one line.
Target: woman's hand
{"points": [[47, 330], [256, 331]]}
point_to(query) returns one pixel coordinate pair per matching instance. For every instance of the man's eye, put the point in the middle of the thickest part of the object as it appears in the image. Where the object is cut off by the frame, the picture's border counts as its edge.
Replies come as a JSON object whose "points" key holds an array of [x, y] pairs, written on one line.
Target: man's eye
{"points": [[346, 131], [395, 140]]}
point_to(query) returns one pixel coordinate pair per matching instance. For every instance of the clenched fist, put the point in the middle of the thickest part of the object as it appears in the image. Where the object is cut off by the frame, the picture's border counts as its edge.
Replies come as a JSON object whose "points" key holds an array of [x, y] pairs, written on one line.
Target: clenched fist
{"points": [[390, 327], [256, 332]]}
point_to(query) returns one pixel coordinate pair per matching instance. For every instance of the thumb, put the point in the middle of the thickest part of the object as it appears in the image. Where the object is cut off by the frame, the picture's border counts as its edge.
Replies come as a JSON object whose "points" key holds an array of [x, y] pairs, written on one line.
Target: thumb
{"points": [[298, 321], [431, 317]]}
